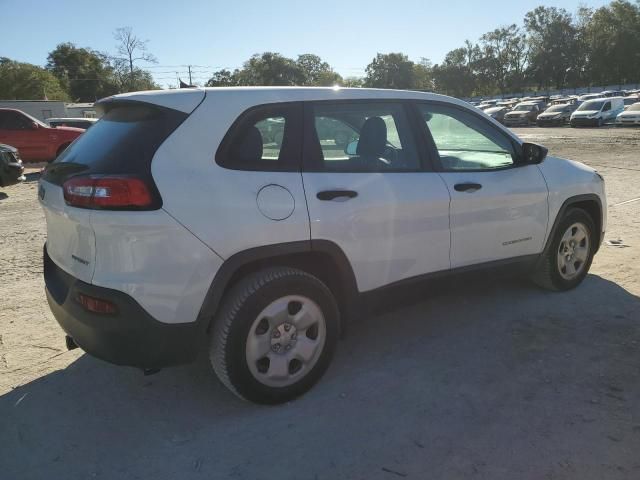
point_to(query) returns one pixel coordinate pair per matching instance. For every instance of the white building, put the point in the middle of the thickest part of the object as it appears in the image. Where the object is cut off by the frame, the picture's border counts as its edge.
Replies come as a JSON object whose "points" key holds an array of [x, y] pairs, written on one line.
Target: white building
{"points": [[43, 109]]}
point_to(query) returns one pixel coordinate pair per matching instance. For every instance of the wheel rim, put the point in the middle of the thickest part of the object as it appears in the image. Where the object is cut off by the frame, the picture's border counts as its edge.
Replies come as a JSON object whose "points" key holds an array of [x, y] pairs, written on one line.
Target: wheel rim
{"points": [[573, 251], [285, 341]]}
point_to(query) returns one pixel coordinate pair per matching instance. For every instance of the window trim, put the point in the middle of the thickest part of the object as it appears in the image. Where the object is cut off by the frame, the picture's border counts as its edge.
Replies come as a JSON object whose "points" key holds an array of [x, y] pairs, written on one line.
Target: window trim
{"points": [[292, 138], [311, 162], [434, 155]]}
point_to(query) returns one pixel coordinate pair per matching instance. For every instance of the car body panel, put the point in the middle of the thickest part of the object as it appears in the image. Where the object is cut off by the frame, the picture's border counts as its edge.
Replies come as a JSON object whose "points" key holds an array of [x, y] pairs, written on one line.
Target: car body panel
{"points": [[567, 179], [397, 227], [71, 241], [154, 259], [505, 218]]}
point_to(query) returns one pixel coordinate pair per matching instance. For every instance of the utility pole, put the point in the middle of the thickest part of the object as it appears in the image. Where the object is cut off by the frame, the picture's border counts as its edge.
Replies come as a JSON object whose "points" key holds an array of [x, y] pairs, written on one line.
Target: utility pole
{"points": [[190, 82]]}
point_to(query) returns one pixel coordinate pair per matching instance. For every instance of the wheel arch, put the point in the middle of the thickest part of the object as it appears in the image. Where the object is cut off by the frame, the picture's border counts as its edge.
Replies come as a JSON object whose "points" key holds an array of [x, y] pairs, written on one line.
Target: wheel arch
{"points": [[590, 203], [321, 258]]}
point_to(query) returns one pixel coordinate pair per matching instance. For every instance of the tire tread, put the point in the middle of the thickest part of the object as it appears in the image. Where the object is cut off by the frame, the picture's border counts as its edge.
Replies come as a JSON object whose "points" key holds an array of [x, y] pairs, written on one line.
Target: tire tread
{"points": [[233, 302]]}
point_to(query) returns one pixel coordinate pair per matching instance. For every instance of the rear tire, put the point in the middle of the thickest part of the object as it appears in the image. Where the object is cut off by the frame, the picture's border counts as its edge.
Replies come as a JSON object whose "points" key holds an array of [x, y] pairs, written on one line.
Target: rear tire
{"points": [[275, 335], [566, 261]]}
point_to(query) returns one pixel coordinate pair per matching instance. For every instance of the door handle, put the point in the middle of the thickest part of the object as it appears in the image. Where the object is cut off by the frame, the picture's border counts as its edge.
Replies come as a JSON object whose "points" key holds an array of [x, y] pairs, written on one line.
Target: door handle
{"points": [[467, 187], [333, 194]]}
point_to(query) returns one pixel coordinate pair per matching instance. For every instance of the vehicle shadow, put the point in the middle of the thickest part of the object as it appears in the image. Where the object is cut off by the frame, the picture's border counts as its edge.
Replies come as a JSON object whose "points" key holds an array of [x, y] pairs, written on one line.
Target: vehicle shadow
{"points": [[479, 376], [3, 196]]}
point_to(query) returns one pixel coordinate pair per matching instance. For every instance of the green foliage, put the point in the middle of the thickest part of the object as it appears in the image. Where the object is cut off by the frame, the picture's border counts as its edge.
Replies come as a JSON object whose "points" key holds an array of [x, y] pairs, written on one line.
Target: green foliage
{"points": [[391, 70], [274, 69], [23, 81], [270, 69], [317, 72], [612, 36], [86, 74], [556, 50]]}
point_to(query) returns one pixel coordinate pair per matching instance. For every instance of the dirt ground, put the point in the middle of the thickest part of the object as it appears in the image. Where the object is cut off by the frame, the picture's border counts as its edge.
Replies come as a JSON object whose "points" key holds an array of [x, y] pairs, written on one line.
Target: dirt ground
{"points": [[482, 378]]}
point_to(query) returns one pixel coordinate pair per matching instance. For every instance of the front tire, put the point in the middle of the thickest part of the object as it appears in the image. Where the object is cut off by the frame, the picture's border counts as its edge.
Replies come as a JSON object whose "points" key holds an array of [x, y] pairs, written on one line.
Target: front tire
{"points": [[275, 335], [566, 262]]}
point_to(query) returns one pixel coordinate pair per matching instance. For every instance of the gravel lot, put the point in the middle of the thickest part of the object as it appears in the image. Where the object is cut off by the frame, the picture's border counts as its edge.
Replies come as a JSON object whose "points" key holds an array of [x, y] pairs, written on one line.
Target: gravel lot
{"points": [[481, 378]]}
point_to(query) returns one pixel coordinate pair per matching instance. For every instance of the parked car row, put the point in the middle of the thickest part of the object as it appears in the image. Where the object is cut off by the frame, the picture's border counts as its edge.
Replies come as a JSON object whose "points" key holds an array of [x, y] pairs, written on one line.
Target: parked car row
{"points": [[593, 109]]}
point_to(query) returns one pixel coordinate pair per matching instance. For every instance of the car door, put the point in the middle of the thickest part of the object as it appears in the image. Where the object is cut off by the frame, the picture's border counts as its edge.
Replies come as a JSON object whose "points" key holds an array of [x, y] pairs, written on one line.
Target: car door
{"points": [[498, 206], [367, 191]]}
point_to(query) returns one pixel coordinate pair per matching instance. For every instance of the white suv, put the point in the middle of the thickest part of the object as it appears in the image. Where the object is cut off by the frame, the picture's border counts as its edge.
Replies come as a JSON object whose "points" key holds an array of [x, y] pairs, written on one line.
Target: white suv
{"points": [[258, 221]]}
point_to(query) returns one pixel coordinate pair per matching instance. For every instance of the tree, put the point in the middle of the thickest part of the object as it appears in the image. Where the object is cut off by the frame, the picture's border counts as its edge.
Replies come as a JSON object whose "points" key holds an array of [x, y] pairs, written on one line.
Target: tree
{"points": [[316, 72], [454, 76], [353, 82], [222, 78], [391, 70], [555, 46], [270, 69], [423, 75], [503, 57], [131, 49], [23, 81], [613, 40], [86, 74], [133, 81]]}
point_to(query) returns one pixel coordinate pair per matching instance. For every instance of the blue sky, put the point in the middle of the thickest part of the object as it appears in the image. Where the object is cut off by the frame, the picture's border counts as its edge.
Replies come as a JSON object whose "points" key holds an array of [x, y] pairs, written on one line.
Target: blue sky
{"points": [[215, 35]]}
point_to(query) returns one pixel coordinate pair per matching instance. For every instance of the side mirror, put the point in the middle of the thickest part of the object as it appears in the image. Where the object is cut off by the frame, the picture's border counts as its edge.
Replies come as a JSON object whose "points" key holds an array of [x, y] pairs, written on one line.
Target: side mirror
{"points": [[34, 126], [533, 154], [351, 148]]}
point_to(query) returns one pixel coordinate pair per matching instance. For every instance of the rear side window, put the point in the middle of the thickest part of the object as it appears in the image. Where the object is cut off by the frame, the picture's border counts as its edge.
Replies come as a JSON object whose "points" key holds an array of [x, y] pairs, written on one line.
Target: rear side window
{"points": [[360, 137], [124, 141], [267, 138]]}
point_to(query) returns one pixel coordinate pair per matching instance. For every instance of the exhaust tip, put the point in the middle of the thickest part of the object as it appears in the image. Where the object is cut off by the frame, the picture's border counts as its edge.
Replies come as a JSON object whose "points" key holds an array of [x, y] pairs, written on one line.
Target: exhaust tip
{"points": [[71, 345]]}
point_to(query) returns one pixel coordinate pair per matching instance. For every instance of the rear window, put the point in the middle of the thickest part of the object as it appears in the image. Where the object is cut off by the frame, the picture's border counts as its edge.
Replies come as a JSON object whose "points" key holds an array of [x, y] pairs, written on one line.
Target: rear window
{"points": [[124, 141]]}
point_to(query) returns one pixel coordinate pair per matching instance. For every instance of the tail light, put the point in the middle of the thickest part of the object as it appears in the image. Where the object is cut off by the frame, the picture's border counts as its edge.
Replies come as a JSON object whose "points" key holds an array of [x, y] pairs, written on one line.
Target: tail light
{"points": [[108, 193]]}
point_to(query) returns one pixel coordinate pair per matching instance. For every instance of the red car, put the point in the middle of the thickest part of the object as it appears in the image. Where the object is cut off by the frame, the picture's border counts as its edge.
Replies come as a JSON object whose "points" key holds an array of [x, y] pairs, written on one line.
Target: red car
{"points": [[36, 141]]}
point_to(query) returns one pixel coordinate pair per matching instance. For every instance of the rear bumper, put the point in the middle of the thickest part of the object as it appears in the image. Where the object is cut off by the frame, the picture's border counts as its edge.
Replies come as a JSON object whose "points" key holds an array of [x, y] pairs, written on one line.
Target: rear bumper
{"points": [[130, 337]]}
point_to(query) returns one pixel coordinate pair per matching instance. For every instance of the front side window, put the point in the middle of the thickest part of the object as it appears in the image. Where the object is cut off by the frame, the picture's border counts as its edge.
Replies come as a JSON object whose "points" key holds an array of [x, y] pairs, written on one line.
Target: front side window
{"points": [[361, 137], [464, 141], [266, 138]]}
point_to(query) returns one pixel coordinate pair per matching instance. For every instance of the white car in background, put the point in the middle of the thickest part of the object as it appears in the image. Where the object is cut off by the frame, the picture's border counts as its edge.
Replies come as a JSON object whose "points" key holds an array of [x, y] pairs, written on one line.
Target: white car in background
{"points": [[631, 116], [178, 222], [595, 113]]}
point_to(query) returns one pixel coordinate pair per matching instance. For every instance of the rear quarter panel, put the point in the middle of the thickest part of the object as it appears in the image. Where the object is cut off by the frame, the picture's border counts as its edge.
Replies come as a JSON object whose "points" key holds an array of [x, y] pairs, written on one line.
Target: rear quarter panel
{"points": [[153, 258], [218, 204]]}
